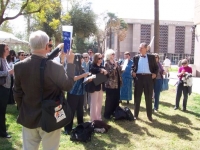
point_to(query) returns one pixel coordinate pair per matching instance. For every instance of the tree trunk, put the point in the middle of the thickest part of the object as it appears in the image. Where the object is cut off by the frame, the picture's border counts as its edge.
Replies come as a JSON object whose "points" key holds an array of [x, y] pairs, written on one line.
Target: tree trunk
{"points": [[156, 26], [118, 47], [110, 41]]}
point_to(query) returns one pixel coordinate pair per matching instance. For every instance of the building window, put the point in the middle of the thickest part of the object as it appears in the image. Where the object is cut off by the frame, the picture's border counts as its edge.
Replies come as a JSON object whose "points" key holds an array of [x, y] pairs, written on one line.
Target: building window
{"points": [[193, 40], [145, 35], [180, 39], [163, 42]]}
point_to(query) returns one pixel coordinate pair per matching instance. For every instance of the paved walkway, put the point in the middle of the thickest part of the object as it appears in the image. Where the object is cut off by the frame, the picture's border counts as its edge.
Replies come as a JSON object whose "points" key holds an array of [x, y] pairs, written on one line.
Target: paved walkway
{"points": [[196, 82]]}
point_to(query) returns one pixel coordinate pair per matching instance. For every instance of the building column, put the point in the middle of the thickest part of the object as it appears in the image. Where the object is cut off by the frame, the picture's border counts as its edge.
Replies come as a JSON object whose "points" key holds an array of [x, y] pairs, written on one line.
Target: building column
{"points": [[197, 51], [171, 39], [188, 40], [136, 37]]}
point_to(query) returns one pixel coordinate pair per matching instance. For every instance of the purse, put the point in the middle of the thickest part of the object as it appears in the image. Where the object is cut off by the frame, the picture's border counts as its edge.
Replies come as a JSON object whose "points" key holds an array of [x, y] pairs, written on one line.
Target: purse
{"points": [[2, 79], [56, 113]]}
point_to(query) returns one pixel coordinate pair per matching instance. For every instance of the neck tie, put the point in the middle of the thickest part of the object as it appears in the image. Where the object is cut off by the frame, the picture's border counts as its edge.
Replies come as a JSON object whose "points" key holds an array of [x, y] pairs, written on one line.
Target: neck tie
{"points": [[143, 56]]}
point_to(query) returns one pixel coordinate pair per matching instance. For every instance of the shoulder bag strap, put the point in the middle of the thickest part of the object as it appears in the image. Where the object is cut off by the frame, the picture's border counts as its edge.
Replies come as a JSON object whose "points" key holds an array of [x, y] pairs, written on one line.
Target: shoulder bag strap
{"points": [[42, 68]]}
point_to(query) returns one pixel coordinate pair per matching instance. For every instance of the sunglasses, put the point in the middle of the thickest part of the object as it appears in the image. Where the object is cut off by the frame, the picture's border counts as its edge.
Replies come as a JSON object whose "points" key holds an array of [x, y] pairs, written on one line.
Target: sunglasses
{"points": [[113, 54], [50, 45], [100, 58]]}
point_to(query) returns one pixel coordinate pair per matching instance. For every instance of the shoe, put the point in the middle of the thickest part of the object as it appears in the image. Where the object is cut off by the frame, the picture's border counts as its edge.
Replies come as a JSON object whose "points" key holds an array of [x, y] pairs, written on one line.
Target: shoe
{"points": [[175, 108], [155, 110], [135, 118], [184, 109], [7, 136], [150, 119]]}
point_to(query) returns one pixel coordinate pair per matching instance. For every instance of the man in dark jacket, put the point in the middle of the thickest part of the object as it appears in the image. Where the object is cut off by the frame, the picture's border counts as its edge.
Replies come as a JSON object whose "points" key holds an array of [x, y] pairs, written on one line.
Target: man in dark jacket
{"points": [[144, 71], [27, 91]]}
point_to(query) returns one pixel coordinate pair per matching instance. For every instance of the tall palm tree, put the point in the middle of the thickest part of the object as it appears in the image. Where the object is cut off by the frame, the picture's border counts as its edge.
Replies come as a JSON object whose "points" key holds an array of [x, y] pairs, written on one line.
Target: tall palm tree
{"points": [[156, 26], [121, 35], [111, 25]]}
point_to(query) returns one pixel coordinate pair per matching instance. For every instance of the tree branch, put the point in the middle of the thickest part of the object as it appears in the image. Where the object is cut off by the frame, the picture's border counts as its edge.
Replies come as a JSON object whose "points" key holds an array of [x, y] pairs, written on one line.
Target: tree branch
{"points": [[20, 14]]}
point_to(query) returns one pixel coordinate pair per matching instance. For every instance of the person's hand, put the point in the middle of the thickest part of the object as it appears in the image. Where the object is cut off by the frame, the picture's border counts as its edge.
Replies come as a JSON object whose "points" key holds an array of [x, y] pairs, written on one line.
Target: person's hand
{"points": [[62, 56], [70, 57], [11, 71], [105, 72], [102, 70], [153, 75], [86, 74], [134, 74], [60, 46]]}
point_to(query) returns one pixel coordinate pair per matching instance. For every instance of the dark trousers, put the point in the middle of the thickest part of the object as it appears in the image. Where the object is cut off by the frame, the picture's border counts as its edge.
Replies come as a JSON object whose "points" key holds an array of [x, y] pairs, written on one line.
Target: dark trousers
{"points": [[181, 89], [143, 83], [76, 104], [11, 98], [157, 90], [112, 101], [4, 94]]}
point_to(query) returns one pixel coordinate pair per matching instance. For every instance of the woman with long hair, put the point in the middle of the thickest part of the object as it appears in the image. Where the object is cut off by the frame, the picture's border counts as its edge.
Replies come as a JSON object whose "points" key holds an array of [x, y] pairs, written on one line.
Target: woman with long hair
{"points": [[158, 83], [5, 74], [75, 97], [11, 58]]}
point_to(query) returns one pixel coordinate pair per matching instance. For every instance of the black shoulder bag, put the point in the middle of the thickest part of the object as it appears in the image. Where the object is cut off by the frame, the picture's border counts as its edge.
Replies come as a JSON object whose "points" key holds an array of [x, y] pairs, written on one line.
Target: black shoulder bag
{"points": [[56, 113]]}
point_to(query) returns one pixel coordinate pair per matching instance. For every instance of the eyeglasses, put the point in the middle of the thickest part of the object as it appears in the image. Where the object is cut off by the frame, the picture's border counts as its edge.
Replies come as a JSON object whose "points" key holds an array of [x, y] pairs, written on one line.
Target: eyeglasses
{"points": [[22, 55], [100, 58], [50, 45], [85, 57]]}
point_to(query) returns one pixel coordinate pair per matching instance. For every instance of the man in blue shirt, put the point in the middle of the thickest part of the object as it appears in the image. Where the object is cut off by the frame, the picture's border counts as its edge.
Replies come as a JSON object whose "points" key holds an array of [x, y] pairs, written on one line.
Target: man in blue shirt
{"points": [[144, 71]]}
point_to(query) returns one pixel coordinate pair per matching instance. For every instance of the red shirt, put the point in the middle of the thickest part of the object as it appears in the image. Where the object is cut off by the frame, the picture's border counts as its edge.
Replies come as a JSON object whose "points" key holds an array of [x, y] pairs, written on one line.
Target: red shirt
{"points": [[186, 69]]}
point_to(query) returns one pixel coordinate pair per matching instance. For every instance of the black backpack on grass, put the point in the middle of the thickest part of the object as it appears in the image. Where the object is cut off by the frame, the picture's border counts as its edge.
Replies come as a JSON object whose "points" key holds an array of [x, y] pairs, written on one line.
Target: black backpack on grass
{"points": [[82, 132]]}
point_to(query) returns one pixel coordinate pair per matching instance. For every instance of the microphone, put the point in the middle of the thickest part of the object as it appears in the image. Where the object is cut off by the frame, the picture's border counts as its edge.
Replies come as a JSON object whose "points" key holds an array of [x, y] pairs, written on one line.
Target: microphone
{"points": [[53, 54]]}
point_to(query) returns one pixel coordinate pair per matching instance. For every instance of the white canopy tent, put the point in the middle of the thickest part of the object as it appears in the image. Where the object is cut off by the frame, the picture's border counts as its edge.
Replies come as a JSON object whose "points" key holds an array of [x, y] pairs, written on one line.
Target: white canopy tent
{"points": [[9, 38]]}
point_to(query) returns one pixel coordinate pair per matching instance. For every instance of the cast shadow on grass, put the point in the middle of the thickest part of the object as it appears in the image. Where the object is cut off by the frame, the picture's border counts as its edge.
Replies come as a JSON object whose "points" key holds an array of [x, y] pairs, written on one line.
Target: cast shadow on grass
{"points": [[193, 113], [108, 141], [174, 119], [6, 144], [133, 127], [182, 132], [166, 104]]}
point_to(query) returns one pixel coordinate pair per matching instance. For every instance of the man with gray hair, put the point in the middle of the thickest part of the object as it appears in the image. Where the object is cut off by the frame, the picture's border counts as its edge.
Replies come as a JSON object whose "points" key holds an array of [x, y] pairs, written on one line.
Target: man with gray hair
{"points": [[27, 91]]}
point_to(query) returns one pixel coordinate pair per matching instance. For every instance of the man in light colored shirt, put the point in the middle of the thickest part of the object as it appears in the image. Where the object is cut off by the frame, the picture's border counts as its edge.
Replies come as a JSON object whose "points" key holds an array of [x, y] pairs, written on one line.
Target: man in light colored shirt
{"points": [[144, 71], [167, 65]]}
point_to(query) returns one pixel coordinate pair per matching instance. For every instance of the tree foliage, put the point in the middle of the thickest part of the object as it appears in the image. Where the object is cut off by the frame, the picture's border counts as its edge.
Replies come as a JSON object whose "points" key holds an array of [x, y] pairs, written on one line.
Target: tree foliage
{"points": [[83, 20], [19, 8]]}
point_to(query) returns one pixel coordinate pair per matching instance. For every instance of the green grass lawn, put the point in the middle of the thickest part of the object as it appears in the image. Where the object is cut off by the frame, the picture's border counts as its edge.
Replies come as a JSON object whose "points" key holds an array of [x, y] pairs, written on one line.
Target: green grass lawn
{"points": [[170, 130]]}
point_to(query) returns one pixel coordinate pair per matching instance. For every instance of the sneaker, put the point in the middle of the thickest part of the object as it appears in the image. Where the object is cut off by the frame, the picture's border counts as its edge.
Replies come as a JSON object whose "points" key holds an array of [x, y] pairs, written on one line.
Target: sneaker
{"points": [[175, 108]]}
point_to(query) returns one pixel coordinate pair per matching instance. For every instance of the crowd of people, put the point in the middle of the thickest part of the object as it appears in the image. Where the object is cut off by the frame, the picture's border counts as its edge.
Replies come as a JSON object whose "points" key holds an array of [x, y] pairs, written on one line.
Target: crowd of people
{"points": [[67, 72]]}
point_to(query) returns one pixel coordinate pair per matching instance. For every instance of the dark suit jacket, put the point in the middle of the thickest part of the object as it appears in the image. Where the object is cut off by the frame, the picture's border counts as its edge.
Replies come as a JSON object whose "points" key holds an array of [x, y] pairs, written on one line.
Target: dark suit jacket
{"points": [[152, 63], [94, 69], [27, 87]]}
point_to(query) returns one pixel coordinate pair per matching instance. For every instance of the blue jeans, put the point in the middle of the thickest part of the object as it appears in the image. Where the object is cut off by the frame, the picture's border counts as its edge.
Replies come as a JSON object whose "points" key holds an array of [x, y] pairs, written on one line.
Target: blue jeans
{"points": [[157, 89]]}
